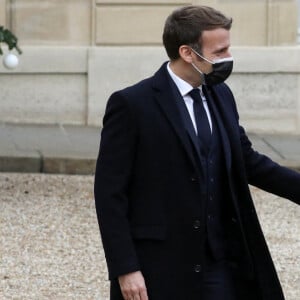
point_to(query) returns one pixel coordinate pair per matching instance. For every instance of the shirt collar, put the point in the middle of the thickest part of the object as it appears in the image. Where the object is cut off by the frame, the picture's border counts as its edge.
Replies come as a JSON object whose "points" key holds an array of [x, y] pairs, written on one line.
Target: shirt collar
{"points": [[183, 86]]}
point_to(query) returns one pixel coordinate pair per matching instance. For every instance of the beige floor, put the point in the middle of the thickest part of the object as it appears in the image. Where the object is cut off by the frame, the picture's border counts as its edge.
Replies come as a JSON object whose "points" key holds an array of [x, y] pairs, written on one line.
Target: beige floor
{"points": [[50, 244]]}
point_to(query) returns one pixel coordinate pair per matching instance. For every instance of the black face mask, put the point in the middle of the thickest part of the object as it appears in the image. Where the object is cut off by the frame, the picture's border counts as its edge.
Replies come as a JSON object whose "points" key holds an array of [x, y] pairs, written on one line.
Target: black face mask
{"points": [[222, 69]]}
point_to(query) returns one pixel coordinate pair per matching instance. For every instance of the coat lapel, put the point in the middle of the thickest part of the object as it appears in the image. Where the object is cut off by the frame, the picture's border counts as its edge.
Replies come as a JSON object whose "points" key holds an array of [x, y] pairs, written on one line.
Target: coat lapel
{"points": [[214, 100], [186, 119], [168, 100], [230, 136], [223, 102]]}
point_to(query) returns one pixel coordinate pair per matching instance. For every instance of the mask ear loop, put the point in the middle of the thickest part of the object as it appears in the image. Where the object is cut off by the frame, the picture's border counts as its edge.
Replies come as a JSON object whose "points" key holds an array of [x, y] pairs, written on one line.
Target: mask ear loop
{"points": [[209, 61], [225, 59], [202, 75]]}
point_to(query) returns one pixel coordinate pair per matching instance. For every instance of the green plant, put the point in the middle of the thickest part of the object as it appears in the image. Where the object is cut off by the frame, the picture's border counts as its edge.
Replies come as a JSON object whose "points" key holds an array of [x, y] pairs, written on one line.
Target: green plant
{"points": [[10, 39]]}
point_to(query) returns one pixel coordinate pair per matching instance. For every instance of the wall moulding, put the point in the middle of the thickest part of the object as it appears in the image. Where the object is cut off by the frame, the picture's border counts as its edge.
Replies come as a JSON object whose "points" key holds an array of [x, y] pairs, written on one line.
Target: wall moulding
{"points": [[3, 13], [51, 22], [266, 59], [131, 28], [139, 2]]}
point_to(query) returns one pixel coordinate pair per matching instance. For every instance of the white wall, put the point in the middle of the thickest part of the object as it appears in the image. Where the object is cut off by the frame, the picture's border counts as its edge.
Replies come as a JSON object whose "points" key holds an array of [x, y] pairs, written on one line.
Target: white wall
{"points": [[70, 85]]}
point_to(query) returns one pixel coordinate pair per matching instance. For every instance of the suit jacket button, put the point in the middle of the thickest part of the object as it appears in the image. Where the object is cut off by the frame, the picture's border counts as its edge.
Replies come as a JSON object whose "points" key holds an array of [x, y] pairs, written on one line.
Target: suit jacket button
{"points": [[198, 268], [197, 224]]}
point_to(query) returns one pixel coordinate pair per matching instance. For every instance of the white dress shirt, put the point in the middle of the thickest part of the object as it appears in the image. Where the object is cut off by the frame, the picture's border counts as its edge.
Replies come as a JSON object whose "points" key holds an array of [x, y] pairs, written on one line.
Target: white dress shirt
{"points": [[184, 89]]}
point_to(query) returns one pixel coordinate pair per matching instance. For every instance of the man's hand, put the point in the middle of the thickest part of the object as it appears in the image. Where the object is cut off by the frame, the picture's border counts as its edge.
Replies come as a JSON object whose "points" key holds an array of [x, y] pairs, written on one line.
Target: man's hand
{"points": [[133, 286]]}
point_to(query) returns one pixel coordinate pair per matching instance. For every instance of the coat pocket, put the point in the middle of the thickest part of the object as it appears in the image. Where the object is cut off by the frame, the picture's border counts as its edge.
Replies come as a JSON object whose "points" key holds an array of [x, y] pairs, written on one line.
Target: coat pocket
{"points": [[153, 232]]}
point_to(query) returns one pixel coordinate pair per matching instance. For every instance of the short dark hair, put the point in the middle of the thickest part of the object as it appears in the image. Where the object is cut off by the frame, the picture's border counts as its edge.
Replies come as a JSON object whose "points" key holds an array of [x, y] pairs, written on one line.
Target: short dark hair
{"points": [[186, 24]]}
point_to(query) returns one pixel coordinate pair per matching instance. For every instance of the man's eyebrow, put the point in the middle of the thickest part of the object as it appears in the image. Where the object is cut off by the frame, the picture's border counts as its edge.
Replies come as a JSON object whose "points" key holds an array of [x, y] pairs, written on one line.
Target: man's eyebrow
{"points": [[222, 49]]}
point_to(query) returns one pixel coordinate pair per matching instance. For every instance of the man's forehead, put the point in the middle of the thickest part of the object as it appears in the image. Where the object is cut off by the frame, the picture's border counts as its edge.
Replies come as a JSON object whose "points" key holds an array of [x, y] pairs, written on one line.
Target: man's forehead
{"points": [[217, 38]]}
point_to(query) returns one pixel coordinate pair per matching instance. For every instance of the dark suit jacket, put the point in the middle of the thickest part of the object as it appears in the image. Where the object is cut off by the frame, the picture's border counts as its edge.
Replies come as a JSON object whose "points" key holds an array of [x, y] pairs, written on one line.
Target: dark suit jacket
{"points": [[148, 186]]}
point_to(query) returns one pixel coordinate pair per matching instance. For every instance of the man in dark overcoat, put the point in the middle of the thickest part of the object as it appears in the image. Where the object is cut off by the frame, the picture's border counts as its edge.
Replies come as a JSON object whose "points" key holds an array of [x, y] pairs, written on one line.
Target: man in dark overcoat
{"points": [[171, 184]]}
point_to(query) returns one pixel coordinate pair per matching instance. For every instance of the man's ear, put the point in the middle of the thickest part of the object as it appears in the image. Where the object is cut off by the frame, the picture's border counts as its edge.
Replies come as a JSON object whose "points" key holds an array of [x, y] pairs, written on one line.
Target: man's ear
{"points": [[185, 53]]}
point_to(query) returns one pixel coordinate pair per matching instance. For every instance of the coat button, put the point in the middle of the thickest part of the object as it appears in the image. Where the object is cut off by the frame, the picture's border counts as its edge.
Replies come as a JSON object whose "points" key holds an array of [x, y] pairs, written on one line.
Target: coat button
{"points": [[198, 268], [233, 220], [197, 224]]}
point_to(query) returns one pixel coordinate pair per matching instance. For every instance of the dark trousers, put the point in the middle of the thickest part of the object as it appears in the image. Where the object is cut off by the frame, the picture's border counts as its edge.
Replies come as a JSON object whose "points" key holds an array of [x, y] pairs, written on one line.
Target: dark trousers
{"points": [[223, 280], [219, 282]]}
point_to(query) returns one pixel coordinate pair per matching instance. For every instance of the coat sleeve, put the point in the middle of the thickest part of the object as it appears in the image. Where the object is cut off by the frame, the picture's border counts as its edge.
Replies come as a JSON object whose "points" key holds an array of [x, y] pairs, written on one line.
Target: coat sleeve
{"points": [[112, 177], [260, 170], [266, 174]]}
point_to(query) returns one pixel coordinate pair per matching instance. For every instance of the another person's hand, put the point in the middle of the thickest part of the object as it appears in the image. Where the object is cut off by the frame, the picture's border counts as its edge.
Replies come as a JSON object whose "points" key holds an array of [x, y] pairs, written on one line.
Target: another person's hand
{"points": [[133, 286]]}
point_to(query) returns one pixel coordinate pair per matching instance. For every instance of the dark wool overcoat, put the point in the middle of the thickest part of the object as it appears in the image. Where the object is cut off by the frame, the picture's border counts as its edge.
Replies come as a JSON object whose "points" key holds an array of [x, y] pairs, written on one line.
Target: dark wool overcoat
{"points": [[148, 191]]}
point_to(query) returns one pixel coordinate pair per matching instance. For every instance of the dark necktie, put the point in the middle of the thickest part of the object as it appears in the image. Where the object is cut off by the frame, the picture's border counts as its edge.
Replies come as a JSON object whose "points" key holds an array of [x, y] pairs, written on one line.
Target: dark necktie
{"points": [[203, 128]]}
